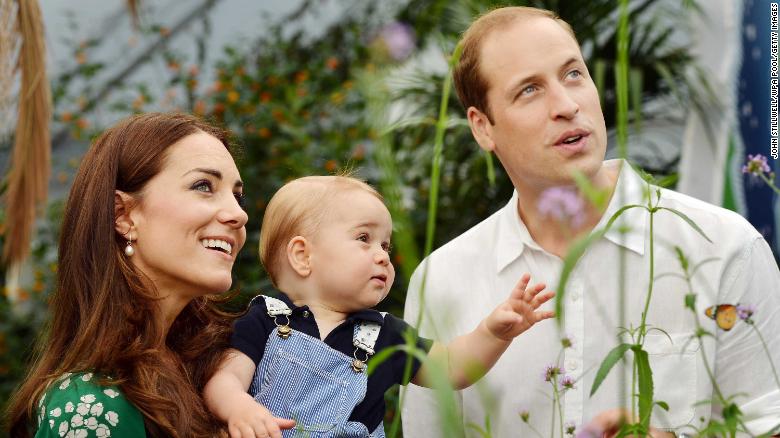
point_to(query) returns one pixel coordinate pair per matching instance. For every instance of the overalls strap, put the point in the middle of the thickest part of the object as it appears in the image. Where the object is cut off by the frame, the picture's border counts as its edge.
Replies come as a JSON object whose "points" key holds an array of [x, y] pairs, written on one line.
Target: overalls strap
{"points": [[365, 334]]}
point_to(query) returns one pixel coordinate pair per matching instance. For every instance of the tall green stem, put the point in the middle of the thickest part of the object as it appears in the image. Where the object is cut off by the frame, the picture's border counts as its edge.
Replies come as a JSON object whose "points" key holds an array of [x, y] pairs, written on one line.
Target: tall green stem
{"points": [[766, 350], [770, 183]]}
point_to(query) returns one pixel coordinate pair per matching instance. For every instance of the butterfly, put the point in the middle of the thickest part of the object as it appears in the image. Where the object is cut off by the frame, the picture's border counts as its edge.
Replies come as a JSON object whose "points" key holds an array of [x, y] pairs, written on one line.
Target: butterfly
{"points": [[725, 315]]}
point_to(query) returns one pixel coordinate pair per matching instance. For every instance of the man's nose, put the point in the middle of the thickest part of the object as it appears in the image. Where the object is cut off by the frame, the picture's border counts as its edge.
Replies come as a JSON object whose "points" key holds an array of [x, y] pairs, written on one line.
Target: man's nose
{"points": [[562, 104]]}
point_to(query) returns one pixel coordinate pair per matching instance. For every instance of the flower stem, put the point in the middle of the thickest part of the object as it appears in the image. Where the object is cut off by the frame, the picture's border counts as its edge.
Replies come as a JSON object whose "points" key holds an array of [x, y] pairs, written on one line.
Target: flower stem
{"points": [[770, 183], [766, 349]]}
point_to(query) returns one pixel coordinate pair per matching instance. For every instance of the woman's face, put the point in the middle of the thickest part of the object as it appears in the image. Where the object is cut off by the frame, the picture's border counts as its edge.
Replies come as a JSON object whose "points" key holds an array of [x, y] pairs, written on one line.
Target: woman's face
{"points": [[188, 223]]}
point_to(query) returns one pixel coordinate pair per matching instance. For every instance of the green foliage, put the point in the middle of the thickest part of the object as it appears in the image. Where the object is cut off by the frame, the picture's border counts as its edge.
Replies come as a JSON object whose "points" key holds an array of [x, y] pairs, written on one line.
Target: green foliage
{"points": [[609, 361]]}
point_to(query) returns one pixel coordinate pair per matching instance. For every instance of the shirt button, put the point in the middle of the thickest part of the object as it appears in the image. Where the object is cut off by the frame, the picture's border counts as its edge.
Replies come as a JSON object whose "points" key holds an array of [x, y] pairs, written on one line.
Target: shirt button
{"points": [[571, 365], [305, 313], [575, 296]]}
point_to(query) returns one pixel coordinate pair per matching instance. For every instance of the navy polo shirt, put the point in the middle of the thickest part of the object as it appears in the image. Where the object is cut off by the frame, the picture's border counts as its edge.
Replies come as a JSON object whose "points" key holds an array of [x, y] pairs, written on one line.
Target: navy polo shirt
{"points": [[251, 332]]}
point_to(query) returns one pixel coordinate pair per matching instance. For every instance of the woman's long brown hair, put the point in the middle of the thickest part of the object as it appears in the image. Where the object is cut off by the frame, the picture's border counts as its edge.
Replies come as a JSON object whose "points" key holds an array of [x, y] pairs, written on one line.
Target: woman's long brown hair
{"points": [[104, 312]]}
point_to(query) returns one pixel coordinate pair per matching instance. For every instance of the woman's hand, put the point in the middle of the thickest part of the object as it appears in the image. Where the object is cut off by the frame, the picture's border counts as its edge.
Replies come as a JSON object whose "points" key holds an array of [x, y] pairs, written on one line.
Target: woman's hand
{"points": [[518, 313], [250, 419]]}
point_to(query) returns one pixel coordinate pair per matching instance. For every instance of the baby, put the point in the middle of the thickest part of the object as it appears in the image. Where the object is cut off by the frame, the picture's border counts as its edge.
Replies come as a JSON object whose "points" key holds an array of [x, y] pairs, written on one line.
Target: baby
{"points": [[299, 361]]}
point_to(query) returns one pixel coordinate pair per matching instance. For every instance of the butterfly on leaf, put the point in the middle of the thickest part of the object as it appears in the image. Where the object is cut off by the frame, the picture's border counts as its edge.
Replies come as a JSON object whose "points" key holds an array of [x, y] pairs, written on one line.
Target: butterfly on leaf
{"points": [[725, 315]]}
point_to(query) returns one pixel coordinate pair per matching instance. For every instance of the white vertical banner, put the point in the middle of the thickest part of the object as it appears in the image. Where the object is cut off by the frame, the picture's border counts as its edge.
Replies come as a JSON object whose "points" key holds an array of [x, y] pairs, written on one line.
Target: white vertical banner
{"points": [[709, 138]]}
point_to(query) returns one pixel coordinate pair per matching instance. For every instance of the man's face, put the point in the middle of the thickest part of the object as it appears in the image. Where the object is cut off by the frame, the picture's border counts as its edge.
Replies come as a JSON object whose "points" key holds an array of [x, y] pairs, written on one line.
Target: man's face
{"points": [[545, 107]]}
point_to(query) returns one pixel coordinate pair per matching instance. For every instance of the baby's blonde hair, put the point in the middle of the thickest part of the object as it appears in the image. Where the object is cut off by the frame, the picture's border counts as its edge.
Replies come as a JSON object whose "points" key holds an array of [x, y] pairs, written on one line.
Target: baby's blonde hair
{"points": [[297, 209]]}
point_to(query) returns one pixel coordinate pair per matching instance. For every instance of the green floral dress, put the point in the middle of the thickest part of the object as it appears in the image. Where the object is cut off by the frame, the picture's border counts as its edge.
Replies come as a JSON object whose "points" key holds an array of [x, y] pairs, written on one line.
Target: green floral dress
{"points": [[75, 406]]}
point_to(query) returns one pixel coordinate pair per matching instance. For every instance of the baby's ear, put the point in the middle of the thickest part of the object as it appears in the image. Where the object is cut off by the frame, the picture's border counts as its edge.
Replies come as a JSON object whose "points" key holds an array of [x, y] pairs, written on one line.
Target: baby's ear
{"points": [[298, 255]]}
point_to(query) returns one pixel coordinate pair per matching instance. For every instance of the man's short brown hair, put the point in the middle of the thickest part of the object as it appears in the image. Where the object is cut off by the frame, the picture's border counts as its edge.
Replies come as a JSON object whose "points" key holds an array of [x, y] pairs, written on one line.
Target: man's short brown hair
{"points": [[470, 84]]}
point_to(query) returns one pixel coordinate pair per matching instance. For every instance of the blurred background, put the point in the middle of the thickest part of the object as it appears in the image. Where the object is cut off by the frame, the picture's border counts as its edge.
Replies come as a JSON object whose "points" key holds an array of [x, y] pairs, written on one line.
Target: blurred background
{"points": [[317, 86]]}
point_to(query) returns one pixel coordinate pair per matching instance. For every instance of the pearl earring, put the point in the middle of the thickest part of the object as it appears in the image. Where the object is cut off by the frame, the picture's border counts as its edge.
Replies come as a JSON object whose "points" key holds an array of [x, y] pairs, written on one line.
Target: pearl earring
{"points": [[129, 250]]}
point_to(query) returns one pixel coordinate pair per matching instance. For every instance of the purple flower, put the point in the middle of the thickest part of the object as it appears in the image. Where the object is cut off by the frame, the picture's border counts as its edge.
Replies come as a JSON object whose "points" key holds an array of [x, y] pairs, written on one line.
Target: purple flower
{"points": [[569, 427], [551, 372], [756, 165], [398, 38], [563, 204], [745, 311], [566, 382]]}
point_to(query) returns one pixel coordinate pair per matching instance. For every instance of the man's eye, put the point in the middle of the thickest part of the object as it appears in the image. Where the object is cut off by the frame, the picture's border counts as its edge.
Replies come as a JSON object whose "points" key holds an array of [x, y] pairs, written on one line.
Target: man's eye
{"points": [[528, 90], [202, 186], [574, 74], [363, 237]]}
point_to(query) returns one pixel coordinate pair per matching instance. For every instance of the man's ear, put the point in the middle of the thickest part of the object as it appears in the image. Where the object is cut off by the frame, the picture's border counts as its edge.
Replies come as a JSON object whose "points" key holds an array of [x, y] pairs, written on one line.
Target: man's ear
{"points": [[298, 255], [481, 128], [123, 224]]}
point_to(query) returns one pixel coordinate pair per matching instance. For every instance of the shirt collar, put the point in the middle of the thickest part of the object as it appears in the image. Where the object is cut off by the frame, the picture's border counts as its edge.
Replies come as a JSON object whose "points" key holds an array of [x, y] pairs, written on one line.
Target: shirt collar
{"points": [[370, 315], [630, 189], [512, 235]]}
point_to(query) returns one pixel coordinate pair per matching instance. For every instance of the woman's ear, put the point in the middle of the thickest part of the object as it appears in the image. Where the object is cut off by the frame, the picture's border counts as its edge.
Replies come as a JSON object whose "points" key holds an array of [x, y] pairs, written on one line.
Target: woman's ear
{"points": [[298, 255], [123, 224]]}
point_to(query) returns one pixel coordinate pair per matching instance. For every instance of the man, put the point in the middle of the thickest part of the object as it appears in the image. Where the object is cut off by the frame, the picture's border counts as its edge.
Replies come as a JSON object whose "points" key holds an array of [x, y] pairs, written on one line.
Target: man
{"points": [[530, 100]]}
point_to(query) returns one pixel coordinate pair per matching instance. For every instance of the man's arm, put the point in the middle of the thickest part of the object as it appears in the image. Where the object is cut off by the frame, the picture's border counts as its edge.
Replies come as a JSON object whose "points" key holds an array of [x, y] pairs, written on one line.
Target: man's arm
{"points": [[742, 365]]}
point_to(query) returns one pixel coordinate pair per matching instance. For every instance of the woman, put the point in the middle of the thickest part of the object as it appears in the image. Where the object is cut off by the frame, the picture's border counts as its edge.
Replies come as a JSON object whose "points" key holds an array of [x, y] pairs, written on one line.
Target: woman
{"points": [[149, 236]]}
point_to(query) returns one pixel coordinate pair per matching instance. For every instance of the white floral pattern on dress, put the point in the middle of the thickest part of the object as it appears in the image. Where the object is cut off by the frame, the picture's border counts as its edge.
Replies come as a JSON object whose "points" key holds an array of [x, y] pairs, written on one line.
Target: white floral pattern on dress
{"points": [[87, 414], [112, 418]]}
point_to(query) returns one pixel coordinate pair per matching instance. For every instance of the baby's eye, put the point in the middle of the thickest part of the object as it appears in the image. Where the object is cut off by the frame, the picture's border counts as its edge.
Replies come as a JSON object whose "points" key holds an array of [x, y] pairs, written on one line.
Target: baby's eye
{"points": [[387, 246], [203, 185], [363, 237]]}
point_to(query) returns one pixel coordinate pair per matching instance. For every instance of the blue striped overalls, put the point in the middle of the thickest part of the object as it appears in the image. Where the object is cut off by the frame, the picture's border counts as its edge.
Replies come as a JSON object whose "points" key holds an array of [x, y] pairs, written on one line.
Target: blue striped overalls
{"points": [[302, 378]]}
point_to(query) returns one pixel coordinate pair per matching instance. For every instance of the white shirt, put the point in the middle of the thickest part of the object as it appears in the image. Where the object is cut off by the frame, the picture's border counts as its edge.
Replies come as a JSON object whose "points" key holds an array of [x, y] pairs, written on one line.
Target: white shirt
{"points": [[473, 273]]}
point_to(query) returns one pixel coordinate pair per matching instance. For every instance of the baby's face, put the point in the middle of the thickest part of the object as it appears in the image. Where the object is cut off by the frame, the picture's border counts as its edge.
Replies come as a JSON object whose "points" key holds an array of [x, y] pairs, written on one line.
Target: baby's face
{"points": [[350, 252]]}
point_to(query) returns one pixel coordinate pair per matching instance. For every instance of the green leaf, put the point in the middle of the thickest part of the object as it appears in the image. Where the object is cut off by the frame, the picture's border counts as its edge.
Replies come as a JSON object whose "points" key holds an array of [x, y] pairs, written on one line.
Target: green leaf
{"points": [[385, 354], [663, 405], [681, 257], [606, 365], [645, 378], [688, 220], [690, 302]]}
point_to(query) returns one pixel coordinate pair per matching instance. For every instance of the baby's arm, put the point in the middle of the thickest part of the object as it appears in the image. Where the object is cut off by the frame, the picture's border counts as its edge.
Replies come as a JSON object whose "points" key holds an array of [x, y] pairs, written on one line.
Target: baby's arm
{"points": [[469, 357], [226, 396]]}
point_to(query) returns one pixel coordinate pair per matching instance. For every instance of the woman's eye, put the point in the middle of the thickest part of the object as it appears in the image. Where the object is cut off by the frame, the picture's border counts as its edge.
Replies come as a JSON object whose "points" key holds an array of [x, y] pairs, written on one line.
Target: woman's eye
{"points": [[363, 237], [203, 186], [241, 199]]}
